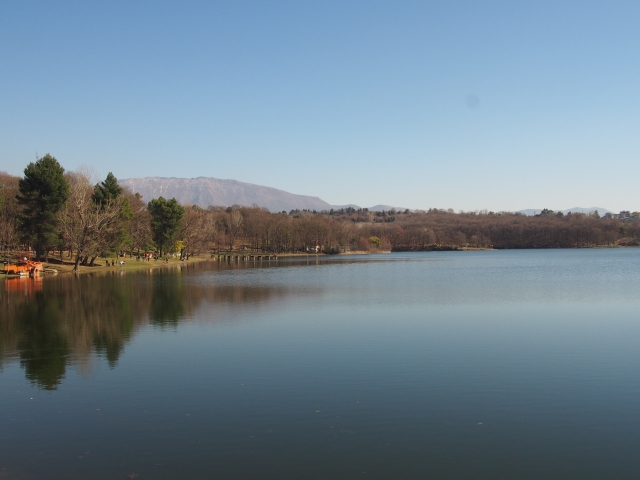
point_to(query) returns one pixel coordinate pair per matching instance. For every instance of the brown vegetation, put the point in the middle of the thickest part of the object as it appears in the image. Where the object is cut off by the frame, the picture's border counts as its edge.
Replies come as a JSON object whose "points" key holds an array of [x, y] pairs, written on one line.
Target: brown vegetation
{"points": [[87, 231]]}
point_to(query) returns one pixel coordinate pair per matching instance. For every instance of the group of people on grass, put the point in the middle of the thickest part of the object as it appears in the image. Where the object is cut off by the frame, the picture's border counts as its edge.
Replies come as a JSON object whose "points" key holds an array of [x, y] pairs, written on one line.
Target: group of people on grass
{"points": [[145, 258], [113, 263]]}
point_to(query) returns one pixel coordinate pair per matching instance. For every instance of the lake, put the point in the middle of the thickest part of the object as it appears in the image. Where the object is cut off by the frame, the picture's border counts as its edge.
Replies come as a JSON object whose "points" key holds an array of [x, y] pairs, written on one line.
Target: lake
{"points": [[442, 365]]}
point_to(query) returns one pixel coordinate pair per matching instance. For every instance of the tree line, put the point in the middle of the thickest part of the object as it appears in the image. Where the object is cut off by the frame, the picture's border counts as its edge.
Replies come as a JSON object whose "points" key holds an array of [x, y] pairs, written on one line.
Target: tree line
{"points": [[54, 212]]}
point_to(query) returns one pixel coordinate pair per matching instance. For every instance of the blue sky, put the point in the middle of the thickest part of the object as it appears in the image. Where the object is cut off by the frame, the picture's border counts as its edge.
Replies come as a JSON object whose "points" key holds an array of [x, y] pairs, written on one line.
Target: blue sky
{"points": [[464, 105]]}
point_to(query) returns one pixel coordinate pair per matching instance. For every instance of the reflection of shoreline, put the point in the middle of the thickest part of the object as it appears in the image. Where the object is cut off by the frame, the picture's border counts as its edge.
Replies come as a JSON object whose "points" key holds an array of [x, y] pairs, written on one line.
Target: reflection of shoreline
{"points": [[61, 321], [134, 266]]}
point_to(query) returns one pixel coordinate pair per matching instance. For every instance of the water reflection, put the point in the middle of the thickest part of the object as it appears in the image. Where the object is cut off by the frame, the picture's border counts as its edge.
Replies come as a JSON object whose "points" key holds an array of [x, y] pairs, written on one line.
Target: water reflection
{"points": [[51, 324], [48, 325], [65, 321], [43, 346], [168, 299]]}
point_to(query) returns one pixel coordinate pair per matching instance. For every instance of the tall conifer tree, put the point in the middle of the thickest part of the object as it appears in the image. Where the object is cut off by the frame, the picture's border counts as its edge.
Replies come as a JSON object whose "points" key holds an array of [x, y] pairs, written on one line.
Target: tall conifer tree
{"points": [[166, 216], [107, 190], [106, 193], [43, 192]]}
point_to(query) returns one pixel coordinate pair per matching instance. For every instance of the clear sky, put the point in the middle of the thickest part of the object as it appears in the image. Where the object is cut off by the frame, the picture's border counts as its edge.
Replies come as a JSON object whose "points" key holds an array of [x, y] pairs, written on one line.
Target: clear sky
{"points": [[464, 105]]}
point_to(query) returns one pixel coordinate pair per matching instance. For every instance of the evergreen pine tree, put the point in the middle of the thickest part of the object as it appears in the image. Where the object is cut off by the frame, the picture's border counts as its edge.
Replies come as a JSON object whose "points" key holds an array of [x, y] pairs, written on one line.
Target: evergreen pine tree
{"points": [[106, 193], [43, 192], [108, 190], [166, 216]]}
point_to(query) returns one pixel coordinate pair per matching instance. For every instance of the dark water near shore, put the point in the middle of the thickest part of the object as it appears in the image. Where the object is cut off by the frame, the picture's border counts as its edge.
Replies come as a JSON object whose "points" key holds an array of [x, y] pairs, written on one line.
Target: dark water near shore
{"points": [[485, 365]]}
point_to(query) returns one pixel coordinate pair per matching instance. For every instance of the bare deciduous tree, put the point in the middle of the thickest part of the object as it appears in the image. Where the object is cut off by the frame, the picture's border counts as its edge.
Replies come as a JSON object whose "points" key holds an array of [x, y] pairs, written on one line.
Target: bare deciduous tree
{"points": [[233, 222], [140, 224], [8, 210], [83, 222]]}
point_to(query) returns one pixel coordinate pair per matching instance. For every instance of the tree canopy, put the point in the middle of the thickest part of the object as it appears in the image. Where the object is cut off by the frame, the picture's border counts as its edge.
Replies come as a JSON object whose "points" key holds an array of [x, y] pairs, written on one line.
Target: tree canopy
{"points": [[69, 211], [166, 217], [108, 190], [43, 192], [107, 195]]}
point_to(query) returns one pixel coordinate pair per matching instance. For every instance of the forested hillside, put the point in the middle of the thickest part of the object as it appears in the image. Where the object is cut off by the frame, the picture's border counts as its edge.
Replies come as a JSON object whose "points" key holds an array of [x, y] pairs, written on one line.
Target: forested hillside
{"points": [[54, 212]]}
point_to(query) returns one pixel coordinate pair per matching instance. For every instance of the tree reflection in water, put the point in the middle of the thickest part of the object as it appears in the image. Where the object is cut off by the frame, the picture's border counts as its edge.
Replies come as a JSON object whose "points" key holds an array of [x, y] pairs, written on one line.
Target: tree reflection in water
{"points": [[167, 300], [51, 327], [47, 326], [43, 347]]}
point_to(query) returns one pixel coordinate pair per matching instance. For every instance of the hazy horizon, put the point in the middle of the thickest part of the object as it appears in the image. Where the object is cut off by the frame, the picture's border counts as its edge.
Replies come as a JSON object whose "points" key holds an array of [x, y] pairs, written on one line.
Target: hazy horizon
{"points": [[378, 204]]}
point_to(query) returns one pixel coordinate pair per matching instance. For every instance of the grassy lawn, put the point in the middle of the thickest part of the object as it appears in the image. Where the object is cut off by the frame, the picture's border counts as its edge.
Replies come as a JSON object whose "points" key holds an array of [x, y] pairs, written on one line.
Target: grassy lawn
{"points": [[130, 264]]}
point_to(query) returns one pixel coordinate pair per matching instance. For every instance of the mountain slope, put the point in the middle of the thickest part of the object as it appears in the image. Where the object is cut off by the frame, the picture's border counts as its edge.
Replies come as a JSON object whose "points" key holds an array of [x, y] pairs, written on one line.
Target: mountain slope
{"points": [[206, 191]]}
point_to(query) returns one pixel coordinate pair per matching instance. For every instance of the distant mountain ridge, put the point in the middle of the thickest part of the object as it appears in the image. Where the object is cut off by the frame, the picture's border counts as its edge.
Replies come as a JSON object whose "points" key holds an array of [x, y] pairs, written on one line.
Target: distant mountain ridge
{"points": [[206, 191]]}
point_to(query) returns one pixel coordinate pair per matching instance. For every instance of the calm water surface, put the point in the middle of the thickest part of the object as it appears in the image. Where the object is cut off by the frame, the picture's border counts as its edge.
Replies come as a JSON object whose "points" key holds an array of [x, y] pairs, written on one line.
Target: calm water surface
{"points": [[486, 365]]}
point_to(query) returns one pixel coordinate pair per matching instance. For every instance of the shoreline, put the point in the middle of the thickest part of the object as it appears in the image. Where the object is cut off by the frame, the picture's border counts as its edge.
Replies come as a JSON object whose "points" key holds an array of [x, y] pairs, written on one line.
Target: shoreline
{"points": [[130, 264], [133, 265]]}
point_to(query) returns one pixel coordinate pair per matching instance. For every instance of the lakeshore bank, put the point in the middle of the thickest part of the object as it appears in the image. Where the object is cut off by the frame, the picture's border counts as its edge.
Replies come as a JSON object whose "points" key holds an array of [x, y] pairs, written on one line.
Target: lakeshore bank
{"points": [[132, 265]]}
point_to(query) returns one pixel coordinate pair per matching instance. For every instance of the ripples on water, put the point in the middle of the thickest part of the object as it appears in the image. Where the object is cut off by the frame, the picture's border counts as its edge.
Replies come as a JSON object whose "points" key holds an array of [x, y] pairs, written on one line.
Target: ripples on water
{"points": [[506, 364]]}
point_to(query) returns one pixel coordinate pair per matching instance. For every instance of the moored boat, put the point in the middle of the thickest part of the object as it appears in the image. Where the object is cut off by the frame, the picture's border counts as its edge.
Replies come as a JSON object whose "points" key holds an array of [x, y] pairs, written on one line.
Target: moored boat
{"points": [[24, 268]]}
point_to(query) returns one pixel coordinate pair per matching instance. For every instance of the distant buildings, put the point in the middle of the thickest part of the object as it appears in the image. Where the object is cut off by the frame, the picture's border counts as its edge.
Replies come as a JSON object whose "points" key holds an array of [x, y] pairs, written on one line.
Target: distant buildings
{"points": [[623, 215]]}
